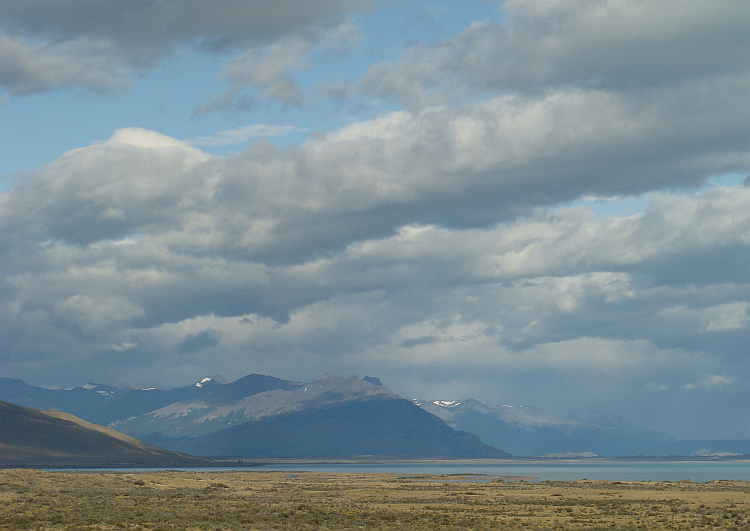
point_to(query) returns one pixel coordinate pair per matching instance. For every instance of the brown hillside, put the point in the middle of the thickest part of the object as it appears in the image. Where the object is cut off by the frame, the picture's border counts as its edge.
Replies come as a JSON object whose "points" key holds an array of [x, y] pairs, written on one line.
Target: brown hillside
{"points": [[31, 438]]}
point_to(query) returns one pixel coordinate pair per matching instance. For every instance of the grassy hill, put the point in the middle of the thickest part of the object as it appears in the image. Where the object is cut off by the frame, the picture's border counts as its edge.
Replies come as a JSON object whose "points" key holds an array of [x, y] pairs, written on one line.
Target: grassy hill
{"points": [[31, 438]]}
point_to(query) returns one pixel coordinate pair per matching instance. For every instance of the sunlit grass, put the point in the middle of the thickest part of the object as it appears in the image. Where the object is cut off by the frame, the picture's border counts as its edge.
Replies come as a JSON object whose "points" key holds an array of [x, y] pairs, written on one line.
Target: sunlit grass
{"points": [[305, 500]]}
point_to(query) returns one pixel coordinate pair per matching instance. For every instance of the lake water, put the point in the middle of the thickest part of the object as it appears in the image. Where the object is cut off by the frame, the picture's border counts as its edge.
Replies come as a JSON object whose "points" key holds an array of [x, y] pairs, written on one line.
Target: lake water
{"points": [[698, 472]]}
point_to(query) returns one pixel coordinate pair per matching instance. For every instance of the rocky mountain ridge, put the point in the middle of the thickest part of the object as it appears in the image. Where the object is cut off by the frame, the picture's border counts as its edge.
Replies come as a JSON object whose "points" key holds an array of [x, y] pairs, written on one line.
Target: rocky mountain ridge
{"points": [[264, 416]]}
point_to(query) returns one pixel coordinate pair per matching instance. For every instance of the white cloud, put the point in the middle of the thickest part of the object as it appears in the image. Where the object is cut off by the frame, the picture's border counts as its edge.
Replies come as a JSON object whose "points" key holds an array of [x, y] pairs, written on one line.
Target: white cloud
{"points": [[245, 133], [93, 315], [710, 381], [143, 138], [732, 316]]}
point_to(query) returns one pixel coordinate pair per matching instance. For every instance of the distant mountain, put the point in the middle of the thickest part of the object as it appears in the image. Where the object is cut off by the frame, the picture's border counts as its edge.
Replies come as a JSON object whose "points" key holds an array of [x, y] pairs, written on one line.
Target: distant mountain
{"points": [[29, 437], [103, 404], [531, 431], [701, 448], [264, 416]]}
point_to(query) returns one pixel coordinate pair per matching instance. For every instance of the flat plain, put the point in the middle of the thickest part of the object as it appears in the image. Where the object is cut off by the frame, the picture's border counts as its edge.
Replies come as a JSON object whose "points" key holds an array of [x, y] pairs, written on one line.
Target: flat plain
{"points": [[263, 500]]}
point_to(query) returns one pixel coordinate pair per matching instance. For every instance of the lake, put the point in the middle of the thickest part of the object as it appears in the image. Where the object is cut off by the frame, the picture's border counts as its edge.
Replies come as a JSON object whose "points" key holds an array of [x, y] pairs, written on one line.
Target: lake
{"points": [[697, 471]]}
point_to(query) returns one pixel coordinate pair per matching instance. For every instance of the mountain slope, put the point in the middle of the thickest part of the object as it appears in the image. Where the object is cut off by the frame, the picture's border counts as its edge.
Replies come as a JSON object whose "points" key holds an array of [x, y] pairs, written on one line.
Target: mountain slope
{"points": [[527, 431], [192, 418], [372, 426], [29, 437]]}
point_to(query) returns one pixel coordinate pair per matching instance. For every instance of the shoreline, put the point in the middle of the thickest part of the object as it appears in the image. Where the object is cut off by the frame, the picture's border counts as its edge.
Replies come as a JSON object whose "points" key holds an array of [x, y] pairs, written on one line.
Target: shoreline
{"points": [[262, 461], [241, 463]]}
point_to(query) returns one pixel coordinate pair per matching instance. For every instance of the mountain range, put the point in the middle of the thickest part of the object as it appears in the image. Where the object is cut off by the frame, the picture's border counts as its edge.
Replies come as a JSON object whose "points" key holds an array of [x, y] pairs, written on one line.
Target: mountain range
{"points": [[263, 416]]}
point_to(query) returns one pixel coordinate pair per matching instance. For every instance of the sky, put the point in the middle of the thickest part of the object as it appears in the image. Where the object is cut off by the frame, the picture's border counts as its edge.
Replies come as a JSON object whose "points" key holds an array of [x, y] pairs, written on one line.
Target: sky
{"points": [[538, 202]]}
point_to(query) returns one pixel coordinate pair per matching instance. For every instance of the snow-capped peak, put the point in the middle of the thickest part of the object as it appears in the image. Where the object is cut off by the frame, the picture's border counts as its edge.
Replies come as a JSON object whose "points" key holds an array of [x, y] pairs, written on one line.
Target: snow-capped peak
{"points": [[447, 403], [204, 380]]}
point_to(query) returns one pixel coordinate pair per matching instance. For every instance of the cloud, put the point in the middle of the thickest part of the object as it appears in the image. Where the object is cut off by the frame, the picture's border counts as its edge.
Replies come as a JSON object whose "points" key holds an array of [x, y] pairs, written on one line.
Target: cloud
{"points": [[199, 229], [610, 45], [97, 45], [245, 133], [269, 231], [149, 26], [506, 152], [129, 184], [732, 316], [95, 315], [269, 67], [27, 68], [199, 341], [231, 102], [710, 381]]}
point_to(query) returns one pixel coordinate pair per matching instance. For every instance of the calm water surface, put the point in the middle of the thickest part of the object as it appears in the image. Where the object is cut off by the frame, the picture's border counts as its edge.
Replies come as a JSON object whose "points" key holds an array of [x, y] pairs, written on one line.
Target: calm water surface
{"points": [[698, 472], [664, 471]]}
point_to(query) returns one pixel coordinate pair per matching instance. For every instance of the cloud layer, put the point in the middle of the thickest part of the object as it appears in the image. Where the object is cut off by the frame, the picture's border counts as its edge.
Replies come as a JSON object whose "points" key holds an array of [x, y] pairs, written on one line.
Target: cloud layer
{"points": [[612, 45], [438, 245]]}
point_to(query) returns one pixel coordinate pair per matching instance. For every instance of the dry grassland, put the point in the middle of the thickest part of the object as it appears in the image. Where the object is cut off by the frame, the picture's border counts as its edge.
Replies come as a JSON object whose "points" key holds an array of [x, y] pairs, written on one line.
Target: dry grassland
{"points": [[31, 499]]}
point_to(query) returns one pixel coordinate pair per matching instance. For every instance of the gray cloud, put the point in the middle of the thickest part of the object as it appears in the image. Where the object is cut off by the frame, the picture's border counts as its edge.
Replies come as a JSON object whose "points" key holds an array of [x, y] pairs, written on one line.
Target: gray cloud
{"points": [[26, 68], [144, 27], [199, 341], [229, 103], [470, 166], [268, 67], [96, 44], [632, 45]]}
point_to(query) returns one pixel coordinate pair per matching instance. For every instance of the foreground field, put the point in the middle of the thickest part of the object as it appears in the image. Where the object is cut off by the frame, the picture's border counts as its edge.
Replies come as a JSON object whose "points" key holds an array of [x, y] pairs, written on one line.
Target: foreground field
{"points": [[31, 499]]}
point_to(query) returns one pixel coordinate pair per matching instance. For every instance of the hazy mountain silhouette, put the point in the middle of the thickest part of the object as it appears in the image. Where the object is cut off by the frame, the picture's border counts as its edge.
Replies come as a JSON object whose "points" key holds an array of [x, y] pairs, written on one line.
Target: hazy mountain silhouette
{"points": [[529, 431]]}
